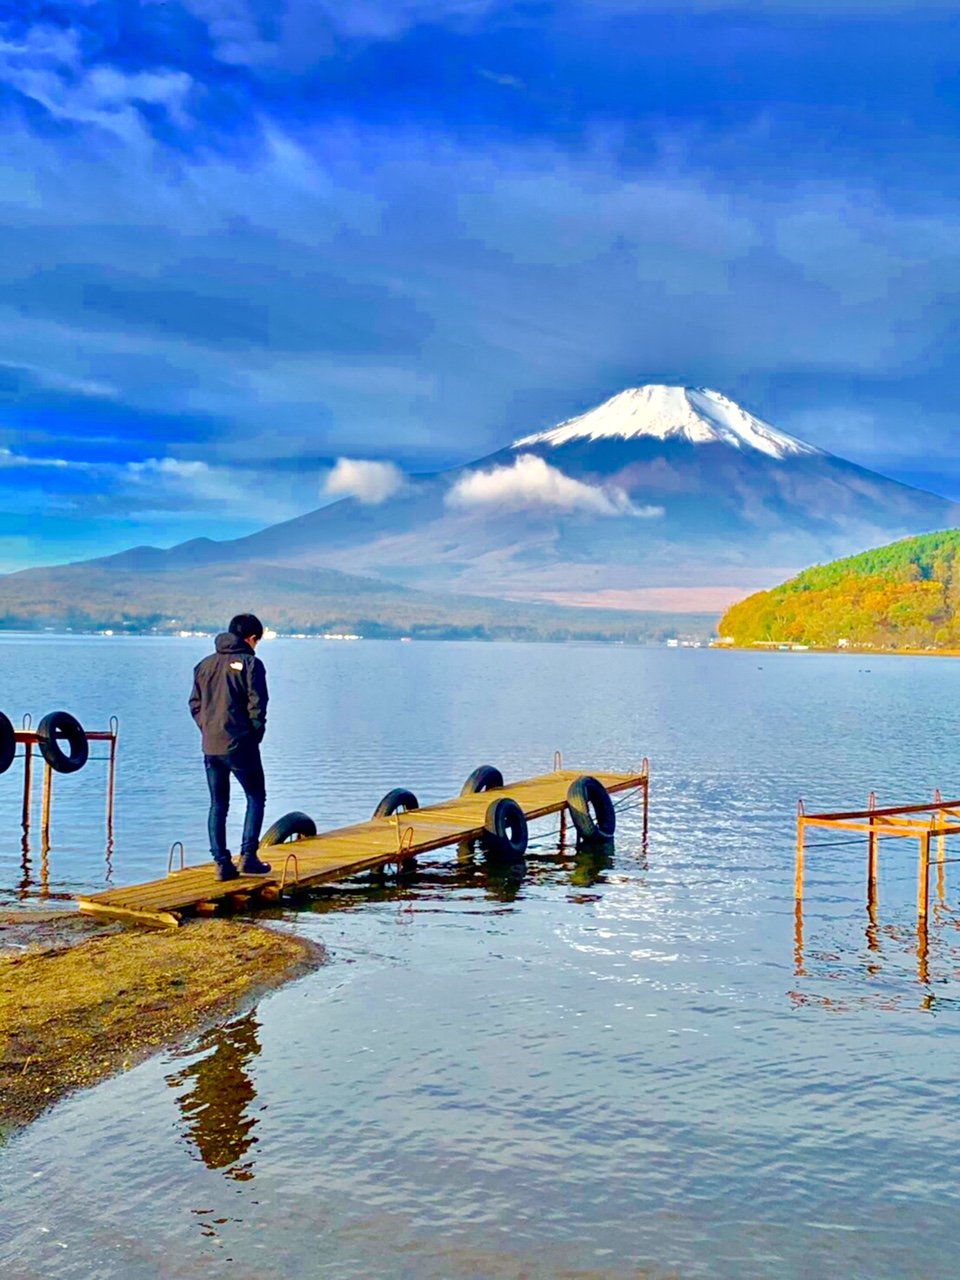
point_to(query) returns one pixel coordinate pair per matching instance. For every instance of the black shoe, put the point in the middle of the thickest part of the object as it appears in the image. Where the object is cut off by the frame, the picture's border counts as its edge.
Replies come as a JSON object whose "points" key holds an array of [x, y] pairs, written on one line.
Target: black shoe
{"points": [[226, 870], [250, 865]]}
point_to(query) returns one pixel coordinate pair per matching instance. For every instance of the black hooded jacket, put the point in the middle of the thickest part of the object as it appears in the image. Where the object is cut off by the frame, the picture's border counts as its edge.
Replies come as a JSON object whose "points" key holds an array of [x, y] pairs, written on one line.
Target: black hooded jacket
{"points": [[229, 698]]}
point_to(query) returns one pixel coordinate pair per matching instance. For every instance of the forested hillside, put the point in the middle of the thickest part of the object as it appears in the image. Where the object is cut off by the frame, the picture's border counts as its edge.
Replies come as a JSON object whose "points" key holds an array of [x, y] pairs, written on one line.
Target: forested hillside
{"points": [[137, 599], [906, 595]]}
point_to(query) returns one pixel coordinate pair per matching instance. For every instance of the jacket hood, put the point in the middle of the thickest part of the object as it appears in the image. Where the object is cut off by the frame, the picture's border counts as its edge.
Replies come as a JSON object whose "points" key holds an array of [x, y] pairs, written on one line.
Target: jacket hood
{"points": [[227, 643]]}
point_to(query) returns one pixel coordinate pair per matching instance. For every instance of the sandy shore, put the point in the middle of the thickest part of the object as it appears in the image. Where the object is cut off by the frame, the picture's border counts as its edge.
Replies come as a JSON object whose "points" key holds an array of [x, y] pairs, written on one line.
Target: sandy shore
{"points": [[80, 1001]]}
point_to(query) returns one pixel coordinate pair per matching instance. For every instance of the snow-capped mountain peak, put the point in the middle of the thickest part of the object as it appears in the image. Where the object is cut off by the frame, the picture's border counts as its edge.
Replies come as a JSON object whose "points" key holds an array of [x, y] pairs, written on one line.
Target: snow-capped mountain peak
{"points": [[694, 414]]}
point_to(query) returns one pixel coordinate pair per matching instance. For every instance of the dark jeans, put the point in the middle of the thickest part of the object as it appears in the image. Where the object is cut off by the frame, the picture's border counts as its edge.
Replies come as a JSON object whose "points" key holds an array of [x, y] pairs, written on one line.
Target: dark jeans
{"points": [[246, 767]]}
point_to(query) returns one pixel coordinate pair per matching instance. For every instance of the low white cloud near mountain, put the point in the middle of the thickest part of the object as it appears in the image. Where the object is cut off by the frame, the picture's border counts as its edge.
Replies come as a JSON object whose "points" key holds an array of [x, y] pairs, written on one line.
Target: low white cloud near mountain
{"points": [[532, 482], [369, 482]]}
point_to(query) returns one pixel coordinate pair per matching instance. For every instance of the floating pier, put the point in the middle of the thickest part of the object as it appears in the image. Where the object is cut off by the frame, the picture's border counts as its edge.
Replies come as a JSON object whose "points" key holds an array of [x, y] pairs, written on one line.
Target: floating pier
{"points": [[308, 861]]}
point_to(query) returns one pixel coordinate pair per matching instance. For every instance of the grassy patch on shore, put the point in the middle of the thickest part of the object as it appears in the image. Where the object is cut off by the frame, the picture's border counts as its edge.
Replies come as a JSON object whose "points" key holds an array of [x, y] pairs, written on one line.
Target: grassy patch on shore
{"points": [[71, 1016]]}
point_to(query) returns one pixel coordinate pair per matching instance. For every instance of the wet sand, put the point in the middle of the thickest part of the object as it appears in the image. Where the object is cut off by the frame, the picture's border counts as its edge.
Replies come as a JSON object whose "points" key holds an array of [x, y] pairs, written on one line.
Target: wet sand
{"points": [[81, 1000]]}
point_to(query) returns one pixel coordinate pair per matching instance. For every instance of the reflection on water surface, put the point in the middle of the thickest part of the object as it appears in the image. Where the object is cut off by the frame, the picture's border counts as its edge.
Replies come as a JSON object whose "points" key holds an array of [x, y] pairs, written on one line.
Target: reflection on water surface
{"points": [[216, 1096]]}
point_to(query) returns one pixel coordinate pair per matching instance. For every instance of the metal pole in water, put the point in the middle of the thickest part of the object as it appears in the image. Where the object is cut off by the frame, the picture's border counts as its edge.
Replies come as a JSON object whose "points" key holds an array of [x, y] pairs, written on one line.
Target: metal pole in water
{"points": [[941, 854], [27, 784], [112, 771], [873, 842], [798, 877], [873, 933], [45, 809], [923, 881], [923, 892], [645, 766]]}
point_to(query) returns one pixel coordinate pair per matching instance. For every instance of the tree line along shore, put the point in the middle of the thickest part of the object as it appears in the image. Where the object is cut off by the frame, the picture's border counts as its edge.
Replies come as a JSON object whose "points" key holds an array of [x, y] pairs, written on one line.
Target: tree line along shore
{"points": [[901, 598]]}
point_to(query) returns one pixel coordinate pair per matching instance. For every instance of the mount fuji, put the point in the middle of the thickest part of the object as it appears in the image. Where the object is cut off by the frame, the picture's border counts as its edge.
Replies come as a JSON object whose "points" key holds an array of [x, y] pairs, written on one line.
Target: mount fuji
{"points": [[662, 497], [672, 413]]}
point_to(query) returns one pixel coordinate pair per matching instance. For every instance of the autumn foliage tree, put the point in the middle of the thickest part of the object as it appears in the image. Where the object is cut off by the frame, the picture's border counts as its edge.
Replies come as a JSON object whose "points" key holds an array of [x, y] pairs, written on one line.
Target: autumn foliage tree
{"points": [[906, 595]]}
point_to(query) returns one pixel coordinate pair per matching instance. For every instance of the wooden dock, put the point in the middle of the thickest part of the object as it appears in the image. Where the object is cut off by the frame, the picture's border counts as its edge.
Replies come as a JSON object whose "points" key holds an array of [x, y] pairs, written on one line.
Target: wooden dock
{"points": [[340, 854]]}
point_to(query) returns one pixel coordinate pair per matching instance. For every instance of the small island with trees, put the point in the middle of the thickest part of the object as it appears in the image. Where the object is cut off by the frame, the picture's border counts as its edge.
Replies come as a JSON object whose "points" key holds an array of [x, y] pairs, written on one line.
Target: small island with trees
{"points": [[902, 597]]}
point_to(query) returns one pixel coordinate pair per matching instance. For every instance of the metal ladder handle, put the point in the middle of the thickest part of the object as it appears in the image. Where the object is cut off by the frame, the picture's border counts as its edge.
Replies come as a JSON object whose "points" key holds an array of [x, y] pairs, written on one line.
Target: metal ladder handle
{"points": [[171, 870], [291, 857], [404, 841]]}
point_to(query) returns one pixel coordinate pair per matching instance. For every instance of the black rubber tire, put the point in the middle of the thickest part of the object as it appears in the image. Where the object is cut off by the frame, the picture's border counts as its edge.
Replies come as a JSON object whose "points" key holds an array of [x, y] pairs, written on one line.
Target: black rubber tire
{"points": [[8, 743], [505, 829], [484, 778], [591, 809], [287, 827], [399, 800], [58, 725]]}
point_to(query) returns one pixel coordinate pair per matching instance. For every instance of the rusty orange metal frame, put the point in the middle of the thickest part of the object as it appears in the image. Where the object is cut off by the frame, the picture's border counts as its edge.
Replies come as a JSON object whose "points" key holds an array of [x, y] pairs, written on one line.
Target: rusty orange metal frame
{"points": [[30, 738], [904, 821], [921, 822]]}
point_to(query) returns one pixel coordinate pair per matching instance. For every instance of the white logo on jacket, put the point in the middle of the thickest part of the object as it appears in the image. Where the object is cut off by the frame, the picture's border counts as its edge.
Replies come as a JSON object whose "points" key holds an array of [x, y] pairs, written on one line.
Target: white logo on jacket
{"points": [[236, 666]]}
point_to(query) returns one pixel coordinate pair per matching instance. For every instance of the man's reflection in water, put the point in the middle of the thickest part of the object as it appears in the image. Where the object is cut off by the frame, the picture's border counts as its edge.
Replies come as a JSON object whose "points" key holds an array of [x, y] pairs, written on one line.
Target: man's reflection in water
{"points": [[220, 1093]]}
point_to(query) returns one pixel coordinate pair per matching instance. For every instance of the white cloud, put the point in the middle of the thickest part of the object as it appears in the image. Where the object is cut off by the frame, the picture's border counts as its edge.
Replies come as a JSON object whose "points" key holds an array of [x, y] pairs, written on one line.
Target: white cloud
{"points": [[533, 482], [193, 481], [8, 458], [369, 482], [45, 65], [335, 265], [228, 487], [374, 19], [59, 381], [175, 467], [234, 31], [297, 34], [186, 485], [540, 296]]}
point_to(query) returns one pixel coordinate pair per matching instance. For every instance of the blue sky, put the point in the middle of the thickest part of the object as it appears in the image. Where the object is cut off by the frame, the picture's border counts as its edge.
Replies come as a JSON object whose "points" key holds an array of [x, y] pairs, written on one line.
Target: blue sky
{"points": [[242, 238]]}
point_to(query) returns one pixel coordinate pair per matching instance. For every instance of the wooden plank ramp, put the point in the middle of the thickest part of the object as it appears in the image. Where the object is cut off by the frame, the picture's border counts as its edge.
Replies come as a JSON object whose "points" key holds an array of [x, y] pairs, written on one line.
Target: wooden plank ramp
{"points": [[345, 852]]}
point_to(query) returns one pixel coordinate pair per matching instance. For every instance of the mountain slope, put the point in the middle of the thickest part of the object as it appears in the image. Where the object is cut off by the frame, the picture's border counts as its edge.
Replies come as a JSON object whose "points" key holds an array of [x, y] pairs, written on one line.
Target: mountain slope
{"points": [[661, 497], [906, 595], [659, 487], [95, 597]]}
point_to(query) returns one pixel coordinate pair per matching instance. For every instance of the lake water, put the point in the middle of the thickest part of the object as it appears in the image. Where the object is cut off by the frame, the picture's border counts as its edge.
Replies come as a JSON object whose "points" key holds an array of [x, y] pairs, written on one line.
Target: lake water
{"points": [[589, 1071]]}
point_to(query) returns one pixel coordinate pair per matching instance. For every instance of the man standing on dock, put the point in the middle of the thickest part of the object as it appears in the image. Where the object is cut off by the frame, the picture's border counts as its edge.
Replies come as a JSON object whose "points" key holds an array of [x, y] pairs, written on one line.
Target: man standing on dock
{"points": [[229, 704]]}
